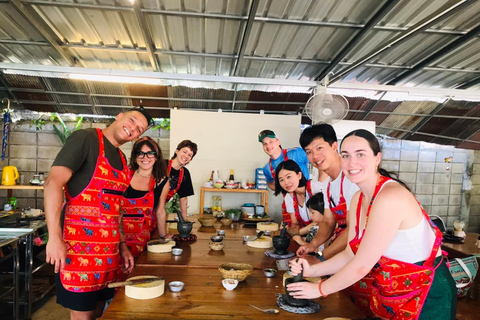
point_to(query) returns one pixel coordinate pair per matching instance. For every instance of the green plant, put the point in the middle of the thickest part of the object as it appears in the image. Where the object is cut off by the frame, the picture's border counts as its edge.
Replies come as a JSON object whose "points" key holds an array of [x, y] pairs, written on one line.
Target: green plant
{"points": [[38, 123], [163, 123], [173, 205], [66, 133]]}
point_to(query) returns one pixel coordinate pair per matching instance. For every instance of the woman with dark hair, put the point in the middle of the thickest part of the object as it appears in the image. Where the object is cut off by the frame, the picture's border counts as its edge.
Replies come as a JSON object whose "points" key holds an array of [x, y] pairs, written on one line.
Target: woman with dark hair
{"points": [[147, 188], [393, 266], [296, 190], [180, 182]]}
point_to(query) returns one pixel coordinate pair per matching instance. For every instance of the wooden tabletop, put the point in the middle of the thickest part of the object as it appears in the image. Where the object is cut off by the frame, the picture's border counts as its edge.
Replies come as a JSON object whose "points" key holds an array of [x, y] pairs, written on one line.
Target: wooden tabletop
{"points": [[198, 254], [204, 297], [461, 250]]}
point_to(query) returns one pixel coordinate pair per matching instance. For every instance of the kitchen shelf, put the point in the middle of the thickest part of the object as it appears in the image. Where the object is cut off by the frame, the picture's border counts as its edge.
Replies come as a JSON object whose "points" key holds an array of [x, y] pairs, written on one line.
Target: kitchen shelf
{"points": [[19, 187], [263, 193]]}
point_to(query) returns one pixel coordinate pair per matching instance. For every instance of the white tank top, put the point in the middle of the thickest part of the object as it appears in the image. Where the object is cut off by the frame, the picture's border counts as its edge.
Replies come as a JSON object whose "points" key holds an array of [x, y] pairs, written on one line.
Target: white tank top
{"points": [[412, 245]]}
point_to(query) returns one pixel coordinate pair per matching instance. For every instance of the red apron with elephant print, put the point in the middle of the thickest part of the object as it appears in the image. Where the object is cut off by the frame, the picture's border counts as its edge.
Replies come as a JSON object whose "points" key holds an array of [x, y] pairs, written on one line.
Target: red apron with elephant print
{"points": [[172, 192], [139, 220], [339, 211], [91, 227], [393, 289]]}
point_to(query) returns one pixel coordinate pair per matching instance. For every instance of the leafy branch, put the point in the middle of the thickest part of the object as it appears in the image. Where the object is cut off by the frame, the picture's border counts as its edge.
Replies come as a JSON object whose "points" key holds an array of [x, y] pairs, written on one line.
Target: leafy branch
{"points": [[66, 133], [163, 123]]}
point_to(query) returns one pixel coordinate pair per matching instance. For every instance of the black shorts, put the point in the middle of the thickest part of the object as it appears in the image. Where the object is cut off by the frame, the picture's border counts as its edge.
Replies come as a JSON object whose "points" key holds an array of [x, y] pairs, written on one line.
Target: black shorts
{"points": [[80, 301]]}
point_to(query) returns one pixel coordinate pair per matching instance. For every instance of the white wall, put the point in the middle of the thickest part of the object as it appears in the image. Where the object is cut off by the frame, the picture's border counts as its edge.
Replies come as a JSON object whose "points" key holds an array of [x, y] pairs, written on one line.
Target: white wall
{"points": [[345, 126], [230, 141]]}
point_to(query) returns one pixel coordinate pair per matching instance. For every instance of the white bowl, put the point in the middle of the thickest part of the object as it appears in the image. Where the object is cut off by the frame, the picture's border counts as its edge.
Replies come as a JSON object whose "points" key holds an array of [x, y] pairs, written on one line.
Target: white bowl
{"points": [[177, 251], [229, 284], [176, 286]]}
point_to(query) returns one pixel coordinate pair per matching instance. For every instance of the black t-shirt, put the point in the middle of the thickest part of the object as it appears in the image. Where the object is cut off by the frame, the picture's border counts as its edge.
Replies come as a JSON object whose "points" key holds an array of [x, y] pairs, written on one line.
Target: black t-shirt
{"points": [[186, 187], [80, 154], [131, 193]]}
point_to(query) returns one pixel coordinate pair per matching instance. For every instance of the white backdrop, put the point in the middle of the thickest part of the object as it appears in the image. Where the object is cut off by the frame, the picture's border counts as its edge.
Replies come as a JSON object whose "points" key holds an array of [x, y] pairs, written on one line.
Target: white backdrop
{"points": [[230, 141]]}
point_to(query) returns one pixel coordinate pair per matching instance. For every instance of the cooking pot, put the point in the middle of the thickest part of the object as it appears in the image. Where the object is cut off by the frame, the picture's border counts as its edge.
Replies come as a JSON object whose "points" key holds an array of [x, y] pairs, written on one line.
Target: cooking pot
{"points": [[9, 175]]}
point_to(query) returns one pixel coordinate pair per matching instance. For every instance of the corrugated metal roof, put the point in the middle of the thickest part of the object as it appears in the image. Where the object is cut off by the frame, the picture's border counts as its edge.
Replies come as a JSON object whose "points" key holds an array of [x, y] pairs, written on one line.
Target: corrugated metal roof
{"points": [[279, 39]]}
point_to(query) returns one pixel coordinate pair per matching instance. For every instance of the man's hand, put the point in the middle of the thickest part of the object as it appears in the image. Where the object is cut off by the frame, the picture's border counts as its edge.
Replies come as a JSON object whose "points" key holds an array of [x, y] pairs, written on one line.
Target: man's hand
{"points": [[56, 252], [305, 249], [127, 258]]}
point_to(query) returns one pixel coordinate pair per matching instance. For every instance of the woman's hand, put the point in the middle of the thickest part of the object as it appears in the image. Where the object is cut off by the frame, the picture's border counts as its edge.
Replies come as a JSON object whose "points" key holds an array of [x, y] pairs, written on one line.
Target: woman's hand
{"points": [[304, 290], [127, 257], [296, 266]]}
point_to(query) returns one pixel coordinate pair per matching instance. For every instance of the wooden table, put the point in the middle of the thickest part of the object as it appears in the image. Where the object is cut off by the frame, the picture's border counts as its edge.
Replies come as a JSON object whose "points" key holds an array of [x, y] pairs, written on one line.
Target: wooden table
{"points": [[204, 297], [263, 195]]}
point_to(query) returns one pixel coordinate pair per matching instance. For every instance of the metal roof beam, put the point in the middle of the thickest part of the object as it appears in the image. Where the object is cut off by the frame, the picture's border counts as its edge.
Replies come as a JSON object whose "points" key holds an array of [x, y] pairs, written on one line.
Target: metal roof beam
{"points": [[246, 34], [231, 17], [379, 15], [469, 84], [3, 81], [38, 24], [419, 125], [368, 110], [429, 134], [441, 14], [146, 35], [437, 55], [63, 72]]}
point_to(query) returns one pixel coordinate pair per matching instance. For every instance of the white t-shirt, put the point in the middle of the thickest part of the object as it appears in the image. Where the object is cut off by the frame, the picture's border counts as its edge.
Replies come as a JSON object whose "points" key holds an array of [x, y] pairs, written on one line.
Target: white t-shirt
{"points": [[317, 187], [349, 189]]}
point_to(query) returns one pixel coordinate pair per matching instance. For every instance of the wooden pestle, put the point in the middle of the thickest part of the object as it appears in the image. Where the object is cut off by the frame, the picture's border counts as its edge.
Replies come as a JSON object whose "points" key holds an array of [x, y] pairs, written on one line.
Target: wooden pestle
{"points": [[284, 230]]}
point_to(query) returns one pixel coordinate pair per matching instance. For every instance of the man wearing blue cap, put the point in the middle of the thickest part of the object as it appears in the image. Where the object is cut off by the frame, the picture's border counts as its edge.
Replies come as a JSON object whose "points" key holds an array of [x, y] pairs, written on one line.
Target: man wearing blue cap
{"points": [[272, 147]]}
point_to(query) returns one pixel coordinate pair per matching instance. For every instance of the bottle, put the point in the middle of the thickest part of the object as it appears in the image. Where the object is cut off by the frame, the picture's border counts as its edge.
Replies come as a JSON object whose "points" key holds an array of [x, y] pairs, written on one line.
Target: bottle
{"points": [[211, 177], [219, 203], [231, 178], [214, 204]]}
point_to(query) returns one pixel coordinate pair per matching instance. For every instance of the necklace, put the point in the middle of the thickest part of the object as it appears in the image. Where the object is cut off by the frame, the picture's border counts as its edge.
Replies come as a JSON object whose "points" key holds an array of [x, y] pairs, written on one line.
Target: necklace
{"points": [[141, 175]]}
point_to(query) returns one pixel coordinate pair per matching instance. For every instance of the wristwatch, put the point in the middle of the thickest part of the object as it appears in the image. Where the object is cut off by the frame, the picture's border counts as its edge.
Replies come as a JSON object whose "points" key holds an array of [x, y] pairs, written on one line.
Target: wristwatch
{"points": [[320, 256]]}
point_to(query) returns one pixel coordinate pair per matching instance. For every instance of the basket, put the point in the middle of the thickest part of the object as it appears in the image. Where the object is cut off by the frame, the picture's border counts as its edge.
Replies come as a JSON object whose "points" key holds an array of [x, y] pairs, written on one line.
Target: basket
{"points": [[238, 271], [207, 222], [226, 222]]}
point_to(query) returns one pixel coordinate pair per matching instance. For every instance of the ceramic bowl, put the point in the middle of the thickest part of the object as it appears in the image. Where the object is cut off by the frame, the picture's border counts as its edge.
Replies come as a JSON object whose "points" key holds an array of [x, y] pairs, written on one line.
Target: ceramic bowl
{"points": [[221, 232], [218, 185], [177, 251], [216, 246], [216, 238], [176, 286], [229, 284], [269, 272], [226, 222]]}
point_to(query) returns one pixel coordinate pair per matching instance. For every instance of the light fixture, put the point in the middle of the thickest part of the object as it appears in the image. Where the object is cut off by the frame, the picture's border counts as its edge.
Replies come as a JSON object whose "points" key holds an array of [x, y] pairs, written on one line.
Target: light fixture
{"points": [[116, 79]]}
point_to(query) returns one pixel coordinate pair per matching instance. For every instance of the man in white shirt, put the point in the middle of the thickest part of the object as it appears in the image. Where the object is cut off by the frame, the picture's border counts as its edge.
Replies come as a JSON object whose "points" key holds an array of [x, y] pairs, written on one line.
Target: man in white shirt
{"points": [[321, 146]]}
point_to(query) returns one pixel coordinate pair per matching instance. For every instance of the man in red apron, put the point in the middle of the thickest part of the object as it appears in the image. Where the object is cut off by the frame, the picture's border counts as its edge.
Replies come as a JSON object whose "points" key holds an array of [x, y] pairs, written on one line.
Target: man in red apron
{"points": [[271, 146], [85, 235], [321, 146]]}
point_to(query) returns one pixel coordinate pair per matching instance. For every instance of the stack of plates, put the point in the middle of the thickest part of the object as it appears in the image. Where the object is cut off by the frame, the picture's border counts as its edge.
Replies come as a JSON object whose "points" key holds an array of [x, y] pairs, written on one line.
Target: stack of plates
{"points": [[248, 209]]}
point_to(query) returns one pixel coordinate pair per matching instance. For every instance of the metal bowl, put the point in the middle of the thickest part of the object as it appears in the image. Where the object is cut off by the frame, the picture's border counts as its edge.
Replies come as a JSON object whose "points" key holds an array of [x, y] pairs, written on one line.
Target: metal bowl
{"points": [[221, 232], [269, 272], [216, 238]]}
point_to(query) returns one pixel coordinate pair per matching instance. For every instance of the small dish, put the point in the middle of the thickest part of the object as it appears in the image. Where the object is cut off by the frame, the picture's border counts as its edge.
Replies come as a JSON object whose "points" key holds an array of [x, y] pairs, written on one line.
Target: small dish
{"points": [[269, 272], [221, 232], [176, 286], [268, 233], [230, 284], [216, 238], [177, 251], [245, 238], [216, 246]]}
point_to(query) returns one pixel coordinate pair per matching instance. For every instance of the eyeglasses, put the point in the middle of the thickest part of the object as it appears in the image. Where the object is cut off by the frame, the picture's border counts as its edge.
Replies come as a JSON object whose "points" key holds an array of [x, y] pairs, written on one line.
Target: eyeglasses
{"points": [[149, 154]]}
